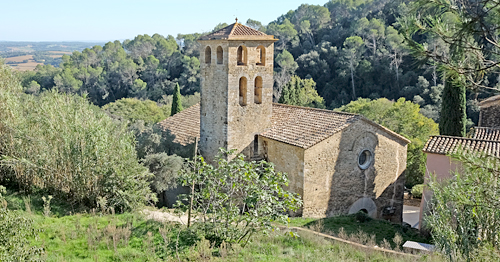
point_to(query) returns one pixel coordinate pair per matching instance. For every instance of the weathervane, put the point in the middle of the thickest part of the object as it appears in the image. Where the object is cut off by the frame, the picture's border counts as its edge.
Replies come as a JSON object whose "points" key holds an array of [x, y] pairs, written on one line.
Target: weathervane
{"points": [[236, 19]]}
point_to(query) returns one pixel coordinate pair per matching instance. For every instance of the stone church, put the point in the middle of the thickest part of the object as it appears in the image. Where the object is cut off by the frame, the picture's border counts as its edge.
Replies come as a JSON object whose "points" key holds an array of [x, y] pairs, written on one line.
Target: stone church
{"points": [[339, 163]]}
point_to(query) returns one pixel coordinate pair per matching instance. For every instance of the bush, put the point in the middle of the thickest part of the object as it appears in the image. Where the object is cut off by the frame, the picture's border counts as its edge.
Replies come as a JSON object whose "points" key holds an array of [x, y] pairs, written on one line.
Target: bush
{"points": [[69, 147], [133, 109], [417, 190], [237, 198], [164, 169], [15, 230]]}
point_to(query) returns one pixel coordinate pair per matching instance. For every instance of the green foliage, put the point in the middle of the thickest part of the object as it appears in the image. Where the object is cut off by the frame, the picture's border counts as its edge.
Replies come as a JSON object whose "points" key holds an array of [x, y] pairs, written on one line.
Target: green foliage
{"points": [[453, 117], [350, 227], [402, 117], [464, 212], [301, 92], [236, 198], [417, 190], [165, 169], [176, 101], [69, 147], [15, 232], [133, 109]]}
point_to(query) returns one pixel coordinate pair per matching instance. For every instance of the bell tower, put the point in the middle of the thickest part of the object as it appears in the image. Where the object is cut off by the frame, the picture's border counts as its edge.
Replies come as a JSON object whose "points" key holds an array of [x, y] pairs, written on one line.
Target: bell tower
{"points": [[236, 89]]}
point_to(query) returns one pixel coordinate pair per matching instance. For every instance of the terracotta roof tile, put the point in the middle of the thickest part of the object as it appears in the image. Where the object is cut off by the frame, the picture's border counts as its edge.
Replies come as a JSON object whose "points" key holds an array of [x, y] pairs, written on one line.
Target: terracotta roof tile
{"points": [[298, 126], [185, 125], [445, 145], [305, 127], [236, 31], [490, 101], [486, 133]]}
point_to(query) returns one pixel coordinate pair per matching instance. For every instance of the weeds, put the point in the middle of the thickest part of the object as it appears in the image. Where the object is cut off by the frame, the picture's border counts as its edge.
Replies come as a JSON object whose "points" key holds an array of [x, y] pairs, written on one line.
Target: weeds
{"points": [[27, 204], [46, 205]]}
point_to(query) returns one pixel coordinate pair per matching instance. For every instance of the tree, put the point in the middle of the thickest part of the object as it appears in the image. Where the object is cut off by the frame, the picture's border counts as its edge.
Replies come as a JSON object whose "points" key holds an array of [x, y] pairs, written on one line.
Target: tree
{"points": [[236, 198], [65, 145], [469, 29], [402, 117], [133, 109], [352, 51], [301, 92], [464, 210], [176, 102], [283, 74], [453, 119]]}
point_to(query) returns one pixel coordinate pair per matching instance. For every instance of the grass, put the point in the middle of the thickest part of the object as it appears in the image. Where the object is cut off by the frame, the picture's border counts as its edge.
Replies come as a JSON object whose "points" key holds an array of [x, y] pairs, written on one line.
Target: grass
{"points": [[90, 236], [349, 227]]}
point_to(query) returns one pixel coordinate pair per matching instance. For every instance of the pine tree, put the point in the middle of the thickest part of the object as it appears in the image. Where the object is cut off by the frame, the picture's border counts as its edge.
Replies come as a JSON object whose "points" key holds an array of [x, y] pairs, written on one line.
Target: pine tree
{"points": [[176, 101], [453, 109]]}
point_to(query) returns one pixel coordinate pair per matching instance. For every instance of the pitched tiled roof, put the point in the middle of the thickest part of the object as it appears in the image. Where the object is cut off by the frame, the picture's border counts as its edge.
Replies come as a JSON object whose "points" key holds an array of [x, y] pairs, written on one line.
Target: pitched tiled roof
{"points": [[185, 125], [486, 133], [489, 101], [237, 31], [445, 145], [305, 127], [294, 125]]}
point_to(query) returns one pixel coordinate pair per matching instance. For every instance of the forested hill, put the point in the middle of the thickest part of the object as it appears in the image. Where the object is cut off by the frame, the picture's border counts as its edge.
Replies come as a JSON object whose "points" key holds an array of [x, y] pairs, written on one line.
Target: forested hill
{"points": [[351, 49]]}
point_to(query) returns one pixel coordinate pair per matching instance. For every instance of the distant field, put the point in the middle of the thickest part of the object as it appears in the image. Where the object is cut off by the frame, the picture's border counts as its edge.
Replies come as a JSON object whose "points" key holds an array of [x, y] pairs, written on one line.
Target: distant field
{"points": [[19, 59], [61, 52], [26, 66], [30, 65], [44, 52]]}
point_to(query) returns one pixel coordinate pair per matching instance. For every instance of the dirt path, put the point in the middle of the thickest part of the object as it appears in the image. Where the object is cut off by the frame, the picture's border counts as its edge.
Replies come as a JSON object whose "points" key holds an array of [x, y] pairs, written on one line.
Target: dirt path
{"points": [[163, 216]]}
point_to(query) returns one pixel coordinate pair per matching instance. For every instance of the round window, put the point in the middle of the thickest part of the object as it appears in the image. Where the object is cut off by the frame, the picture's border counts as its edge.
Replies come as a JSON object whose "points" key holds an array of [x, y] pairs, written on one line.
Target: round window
{"points": [[365, 159]]}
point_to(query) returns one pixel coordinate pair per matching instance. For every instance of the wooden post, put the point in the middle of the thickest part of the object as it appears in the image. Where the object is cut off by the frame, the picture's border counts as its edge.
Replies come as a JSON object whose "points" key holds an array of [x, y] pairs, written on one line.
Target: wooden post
{"points": [[192, 186]]}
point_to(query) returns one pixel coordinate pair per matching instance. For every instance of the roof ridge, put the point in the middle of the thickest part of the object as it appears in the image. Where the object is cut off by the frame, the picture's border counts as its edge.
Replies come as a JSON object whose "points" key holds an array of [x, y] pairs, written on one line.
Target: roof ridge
{"points": [[464, 138], [486, 127], [318, 109], [234, 27]]}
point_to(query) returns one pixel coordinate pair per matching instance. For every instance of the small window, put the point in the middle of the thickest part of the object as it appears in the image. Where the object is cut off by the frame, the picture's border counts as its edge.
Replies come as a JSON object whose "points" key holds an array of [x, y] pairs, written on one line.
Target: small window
{"points": [[365, 159], [258, 90], [243, 91], [261, 56], [208, 55], [256, 145], [242, 55], [220, 55]]}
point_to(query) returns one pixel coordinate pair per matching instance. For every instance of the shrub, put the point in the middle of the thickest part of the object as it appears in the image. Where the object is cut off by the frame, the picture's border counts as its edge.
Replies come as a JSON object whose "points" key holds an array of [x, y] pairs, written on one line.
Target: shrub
{"points": [[417, 190], [236, 198], [69, 147], [164, 169], [133, 109], [15, 230], [464, 214]]}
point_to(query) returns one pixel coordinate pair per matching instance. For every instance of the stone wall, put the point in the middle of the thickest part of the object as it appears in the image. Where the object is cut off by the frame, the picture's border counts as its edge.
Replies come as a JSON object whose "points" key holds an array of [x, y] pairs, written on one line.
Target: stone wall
{"points": [[214, 96], [335, 184], [224, 122], [489, 115], [288, 159]]}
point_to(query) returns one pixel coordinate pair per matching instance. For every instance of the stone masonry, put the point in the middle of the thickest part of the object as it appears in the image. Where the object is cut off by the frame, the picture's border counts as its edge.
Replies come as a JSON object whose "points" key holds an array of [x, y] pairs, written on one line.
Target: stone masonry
{"points": [[339, 163]]}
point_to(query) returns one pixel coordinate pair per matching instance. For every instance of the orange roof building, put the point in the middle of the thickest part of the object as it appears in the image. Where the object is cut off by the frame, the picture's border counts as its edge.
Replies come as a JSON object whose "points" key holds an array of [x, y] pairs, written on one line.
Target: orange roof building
{"points": [[339, 163]]}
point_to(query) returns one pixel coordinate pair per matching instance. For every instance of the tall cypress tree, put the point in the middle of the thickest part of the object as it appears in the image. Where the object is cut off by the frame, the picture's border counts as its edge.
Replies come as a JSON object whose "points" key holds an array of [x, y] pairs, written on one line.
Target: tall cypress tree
{"points": [[453, 108], [176, 101]]}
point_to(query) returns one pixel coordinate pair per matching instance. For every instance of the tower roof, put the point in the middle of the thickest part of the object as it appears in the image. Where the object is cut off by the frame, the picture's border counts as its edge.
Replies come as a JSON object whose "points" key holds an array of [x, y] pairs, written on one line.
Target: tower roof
{"points": [[237, 31]]}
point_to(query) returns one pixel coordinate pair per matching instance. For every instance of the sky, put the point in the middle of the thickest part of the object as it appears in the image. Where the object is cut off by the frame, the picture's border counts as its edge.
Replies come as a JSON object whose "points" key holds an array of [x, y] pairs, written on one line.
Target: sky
{"points": [[109, 20]]}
